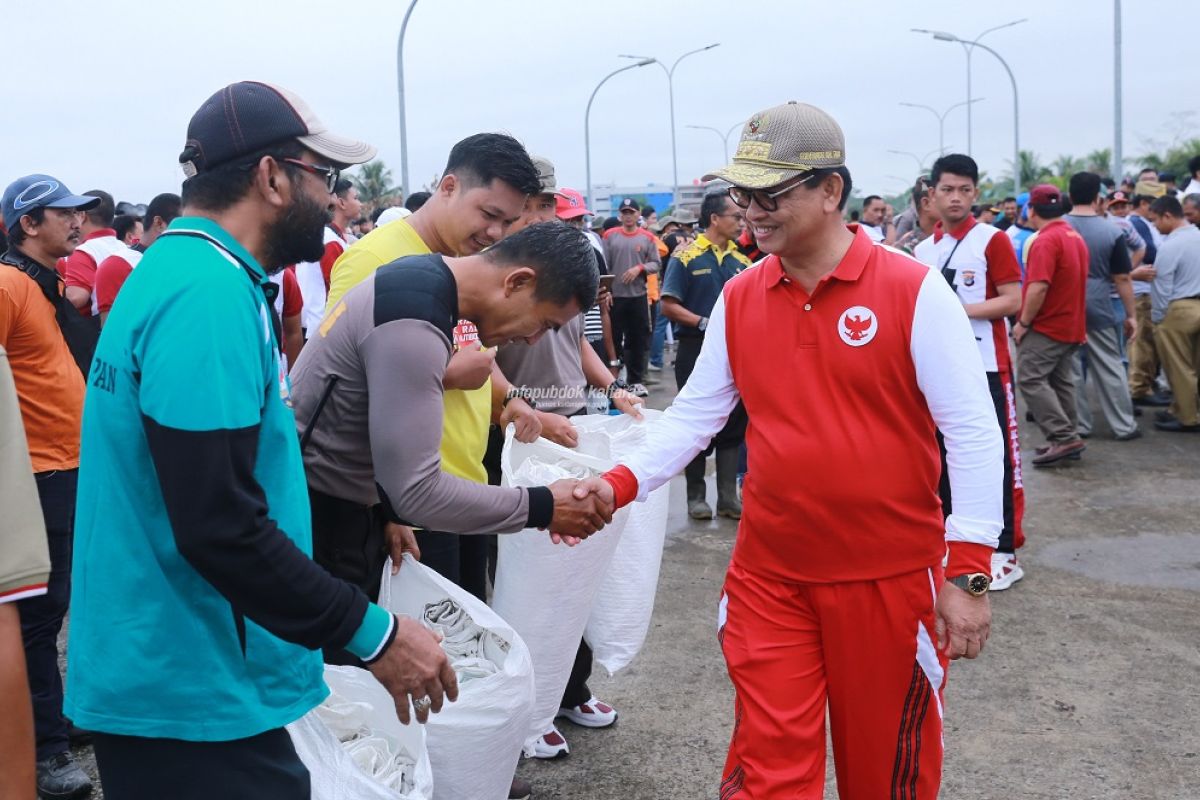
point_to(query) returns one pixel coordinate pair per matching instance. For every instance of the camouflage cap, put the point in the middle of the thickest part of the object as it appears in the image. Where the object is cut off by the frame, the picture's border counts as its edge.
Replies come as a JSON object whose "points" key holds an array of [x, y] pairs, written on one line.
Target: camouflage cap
{"points": [[781, 143], [546, 178]]}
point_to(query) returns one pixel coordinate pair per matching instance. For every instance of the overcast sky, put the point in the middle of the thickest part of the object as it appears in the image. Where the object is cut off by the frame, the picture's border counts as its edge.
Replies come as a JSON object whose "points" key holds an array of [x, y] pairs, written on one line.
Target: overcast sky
{"points": [[102, 92]]}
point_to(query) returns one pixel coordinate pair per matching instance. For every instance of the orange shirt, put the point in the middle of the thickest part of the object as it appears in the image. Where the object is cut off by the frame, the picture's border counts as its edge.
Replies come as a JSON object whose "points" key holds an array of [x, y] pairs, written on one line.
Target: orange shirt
{"points": [[49, 385]]}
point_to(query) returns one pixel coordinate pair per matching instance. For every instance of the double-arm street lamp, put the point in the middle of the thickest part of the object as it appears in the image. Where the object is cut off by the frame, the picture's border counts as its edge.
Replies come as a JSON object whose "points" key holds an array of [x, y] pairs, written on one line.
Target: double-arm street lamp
{"points": [[587, 129], [941, 118]]}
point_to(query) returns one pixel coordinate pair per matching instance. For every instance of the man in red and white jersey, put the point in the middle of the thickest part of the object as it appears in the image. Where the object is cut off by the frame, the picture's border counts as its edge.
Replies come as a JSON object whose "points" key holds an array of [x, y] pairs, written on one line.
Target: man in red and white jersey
{"points": [[99, 242], [112, 272], [836, 596], [981, 266]]}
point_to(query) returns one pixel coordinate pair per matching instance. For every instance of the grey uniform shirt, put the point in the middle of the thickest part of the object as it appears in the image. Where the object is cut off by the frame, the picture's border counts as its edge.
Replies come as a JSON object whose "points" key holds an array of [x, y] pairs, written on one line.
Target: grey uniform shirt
{"points": [[1108, 255], [378, 436], [552, 368], [624, 251], [1178, 267]]}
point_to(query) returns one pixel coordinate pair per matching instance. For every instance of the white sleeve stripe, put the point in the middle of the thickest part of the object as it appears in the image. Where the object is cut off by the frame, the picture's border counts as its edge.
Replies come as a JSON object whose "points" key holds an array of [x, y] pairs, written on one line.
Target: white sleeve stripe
{"points": [[697, 414], [950, 374]]}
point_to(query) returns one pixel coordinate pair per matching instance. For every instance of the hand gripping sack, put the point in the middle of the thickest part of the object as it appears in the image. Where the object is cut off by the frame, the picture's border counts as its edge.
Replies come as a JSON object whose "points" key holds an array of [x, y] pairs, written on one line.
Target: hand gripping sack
{"points": [[620, 618], [474, 744], [355, 747], [546, 590]]}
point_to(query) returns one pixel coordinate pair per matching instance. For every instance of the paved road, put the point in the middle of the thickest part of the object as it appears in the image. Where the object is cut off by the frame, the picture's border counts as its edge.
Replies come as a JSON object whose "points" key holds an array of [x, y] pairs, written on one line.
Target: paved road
{"points": [[1088, 688]]}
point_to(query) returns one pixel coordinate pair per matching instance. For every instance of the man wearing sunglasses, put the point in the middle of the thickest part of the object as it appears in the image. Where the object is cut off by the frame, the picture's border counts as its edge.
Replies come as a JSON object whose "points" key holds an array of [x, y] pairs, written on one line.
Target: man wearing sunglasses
{"points": [[836, 596], [198, 612]]}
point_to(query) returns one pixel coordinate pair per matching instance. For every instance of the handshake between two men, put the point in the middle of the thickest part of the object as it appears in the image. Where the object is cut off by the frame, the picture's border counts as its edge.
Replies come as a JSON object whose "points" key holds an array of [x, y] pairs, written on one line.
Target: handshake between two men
{"points": [[580, 509]]}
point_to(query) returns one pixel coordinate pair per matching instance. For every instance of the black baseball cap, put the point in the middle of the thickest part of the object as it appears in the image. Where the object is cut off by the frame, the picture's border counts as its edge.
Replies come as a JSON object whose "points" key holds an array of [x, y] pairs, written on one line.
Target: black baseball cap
{"points": [[249, 116], [629, 202]]}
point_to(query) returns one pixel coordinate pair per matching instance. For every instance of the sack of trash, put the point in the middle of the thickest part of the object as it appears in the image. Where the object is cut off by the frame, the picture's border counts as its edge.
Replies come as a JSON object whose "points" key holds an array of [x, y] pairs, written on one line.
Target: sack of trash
{"points": [[620, 618], [474, 744], [356, 748], [547, 592]]}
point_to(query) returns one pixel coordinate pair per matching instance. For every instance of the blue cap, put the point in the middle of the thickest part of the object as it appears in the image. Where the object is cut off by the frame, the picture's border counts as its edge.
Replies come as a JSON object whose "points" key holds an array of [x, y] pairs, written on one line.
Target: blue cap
{"points": [[40, 191]]}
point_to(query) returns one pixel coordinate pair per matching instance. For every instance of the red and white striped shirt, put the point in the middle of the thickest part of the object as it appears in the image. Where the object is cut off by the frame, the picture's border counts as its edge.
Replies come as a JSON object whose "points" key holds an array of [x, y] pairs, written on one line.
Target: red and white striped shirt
{"points": [[844, 389]]}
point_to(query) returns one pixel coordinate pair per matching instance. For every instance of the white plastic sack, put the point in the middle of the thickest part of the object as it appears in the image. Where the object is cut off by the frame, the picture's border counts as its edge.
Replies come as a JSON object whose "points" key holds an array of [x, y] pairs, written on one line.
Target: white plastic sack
{"points": [[344, 771], [474, 744], [544, 590], [620, 618]]}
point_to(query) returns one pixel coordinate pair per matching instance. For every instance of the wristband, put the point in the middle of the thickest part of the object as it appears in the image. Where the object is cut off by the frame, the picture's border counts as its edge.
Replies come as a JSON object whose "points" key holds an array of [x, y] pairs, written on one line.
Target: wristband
{"points": [[615, 386], [702, 324]]}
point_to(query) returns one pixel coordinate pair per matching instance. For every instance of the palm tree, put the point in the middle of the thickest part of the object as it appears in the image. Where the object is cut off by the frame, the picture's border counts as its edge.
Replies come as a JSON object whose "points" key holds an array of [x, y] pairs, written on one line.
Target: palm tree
{"points": [[1099, 161], [1032, 169], [374, 184], [1066, 166]]}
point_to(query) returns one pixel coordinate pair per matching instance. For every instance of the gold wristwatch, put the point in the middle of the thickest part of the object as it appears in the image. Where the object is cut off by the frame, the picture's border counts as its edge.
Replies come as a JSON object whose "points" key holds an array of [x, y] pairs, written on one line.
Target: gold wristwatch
{"points": [[974, 583]]}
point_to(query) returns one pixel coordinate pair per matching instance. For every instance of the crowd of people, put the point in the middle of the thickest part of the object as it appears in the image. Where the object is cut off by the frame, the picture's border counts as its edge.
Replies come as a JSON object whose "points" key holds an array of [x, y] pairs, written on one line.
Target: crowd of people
{"points": [[222, 412]]}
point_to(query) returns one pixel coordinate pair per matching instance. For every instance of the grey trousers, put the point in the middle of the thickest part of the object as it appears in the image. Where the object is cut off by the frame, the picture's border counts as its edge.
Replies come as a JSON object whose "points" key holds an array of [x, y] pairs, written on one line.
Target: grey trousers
{"points": [[1046, 376], [1107, 371]]}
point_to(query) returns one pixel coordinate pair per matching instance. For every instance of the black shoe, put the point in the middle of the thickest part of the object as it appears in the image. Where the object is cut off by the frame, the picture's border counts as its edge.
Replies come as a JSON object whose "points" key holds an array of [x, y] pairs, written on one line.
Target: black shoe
{"points": [[1129, 437], [1137, 411], [1154, 400], [1175, 426], [60, 778], [1163, 416]]}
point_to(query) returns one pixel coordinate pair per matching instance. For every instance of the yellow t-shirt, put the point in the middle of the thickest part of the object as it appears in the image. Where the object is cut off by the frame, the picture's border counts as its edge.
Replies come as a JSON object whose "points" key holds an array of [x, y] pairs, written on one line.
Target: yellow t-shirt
{"points": [[466, 415]]}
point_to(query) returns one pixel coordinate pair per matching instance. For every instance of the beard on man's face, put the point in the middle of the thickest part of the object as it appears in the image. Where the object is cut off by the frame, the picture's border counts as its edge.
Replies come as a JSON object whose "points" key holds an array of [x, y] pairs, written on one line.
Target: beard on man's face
{"points": [[298, 234]]}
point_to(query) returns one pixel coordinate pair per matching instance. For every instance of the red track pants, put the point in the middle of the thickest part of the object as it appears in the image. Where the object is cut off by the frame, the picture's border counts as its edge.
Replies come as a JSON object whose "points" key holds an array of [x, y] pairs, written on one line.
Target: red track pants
{"points": [[867, 650]]}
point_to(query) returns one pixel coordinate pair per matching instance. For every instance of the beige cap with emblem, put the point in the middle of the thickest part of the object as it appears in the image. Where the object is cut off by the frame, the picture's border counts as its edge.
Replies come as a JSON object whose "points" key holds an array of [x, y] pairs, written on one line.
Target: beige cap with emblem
{"points": [[781, 143]]}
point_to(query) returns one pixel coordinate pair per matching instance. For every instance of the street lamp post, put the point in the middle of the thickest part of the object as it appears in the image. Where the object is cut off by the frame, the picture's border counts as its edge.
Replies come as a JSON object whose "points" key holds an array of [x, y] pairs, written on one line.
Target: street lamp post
{"points": [[941, 118], [671, 101], [919, 159], [942, 36], [587, 115], [724, 136], [400, 91], [967, 48], [1117, 167]]}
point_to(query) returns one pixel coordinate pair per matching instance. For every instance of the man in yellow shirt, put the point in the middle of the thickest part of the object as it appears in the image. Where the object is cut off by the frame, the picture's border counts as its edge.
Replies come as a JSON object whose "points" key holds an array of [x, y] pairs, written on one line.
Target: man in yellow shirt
{"points": [[481, 194]]}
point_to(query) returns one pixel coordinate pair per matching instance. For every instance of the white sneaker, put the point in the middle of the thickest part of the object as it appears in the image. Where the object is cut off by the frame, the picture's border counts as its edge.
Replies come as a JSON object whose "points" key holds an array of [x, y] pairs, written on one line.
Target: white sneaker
{"points": [[1005, 571], [550, 745], [655, 367], [638, 390], [594, 713]]}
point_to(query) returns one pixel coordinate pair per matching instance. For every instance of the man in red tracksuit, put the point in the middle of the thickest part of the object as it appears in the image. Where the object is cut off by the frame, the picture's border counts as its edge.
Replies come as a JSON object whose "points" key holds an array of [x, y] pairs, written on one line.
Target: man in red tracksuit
{"points": [[836, 595]]}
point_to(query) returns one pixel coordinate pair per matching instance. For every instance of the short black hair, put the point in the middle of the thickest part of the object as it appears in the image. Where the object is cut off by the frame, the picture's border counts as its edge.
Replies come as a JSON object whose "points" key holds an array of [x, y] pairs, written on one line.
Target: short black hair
{"points": [[123, 224], [819, 176], [1049, 210], [854, 216], [919, 190], [1193, 165], [1084, 188], [562, 257], [871, 198], [342, 186], [165, 205], [1167, 205], [955, 164], [16, 235], [416, 200], [219, 188], [1009, 200], [610, 223], [713, 204], [1166, 177], [647, 210], [104, 212], [485, 157]]}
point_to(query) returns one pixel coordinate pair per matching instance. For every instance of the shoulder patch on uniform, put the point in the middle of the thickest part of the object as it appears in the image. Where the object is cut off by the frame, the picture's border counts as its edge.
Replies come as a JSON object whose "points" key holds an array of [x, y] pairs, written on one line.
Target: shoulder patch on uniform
{"points": [[420, 288]]}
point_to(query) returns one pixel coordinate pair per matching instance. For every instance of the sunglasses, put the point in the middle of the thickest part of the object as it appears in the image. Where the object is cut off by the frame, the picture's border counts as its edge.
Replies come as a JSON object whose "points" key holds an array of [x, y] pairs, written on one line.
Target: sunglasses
{"points": [[766, 200], [330, 174]]}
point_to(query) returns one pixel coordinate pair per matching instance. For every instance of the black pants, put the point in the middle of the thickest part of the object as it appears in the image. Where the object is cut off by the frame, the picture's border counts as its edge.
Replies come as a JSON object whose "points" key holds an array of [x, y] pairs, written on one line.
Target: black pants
{"points": [[462, 560], [262, 767], [42, 616], [1000, 402], [349, 540], [734, 433], [631, 334]]}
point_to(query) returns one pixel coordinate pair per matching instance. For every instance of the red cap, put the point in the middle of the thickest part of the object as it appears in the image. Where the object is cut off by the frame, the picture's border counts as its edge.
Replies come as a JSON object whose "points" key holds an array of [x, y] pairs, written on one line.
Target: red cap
{"points": [[1045, 195], [1118, 197], [569, 204]]}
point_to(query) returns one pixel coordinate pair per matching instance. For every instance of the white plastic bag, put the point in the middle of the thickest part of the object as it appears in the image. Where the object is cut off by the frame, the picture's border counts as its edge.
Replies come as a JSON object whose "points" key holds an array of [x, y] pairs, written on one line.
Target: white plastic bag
{"points": [[545, 590], [474, 744], [341, 771]]}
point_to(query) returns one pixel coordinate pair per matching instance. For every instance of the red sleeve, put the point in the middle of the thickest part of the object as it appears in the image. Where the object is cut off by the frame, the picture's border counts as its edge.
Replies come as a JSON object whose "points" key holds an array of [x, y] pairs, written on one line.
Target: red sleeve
{"points": [[81, 270], [968, 557], [110, 277], [625, 485], [1002, 266], [293, 301], [1042, 259], [332, 251]]}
